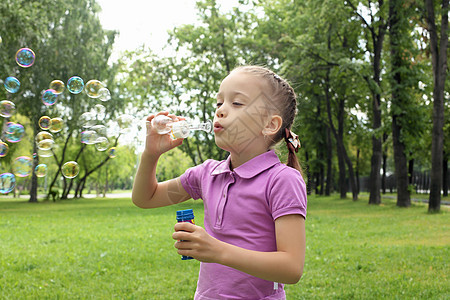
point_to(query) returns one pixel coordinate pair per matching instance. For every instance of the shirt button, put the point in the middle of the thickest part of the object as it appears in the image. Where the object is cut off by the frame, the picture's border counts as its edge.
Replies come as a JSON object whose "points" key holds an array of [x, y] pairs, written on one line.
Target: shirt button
{"points": [[224, 195]]}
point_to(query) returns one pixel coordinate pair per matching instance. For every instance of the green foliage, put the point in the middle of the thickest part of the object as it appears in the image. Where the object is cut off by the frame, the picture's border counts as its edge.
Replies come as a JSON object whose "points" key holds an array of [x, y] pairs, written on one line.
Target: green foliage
{"points": [[107, 248]]}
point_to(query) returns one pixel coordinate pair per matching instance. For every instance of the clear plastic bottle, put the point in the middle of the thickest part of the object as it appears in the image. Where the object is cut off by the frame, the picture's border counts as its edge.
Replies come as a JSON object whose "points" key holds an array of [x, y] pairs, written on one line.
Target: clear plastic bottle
{"points": [[179, 129]]}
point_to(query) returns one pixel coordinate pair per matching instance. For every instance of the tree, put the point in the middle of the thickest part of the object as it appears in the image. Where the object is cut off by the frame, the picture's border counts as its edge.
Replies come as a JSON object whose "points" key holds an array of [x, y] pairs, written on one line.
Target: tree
{"points": [[439, 55]]}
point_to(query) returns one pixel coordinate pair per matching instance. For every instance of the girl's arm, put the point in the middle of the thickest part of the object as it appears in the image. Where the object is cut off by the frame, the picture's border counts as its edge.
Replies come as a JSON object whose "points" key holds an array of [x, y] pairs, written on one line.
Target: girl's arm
{"points": [[284, 265], [147, 192]]}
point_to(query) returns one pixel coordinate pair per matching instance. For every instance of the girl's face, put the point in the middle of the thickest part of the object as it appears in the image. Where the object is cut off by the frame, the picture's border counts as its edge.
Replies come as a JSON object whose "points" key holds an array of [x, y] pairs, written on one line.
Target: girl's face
{"points": [[243, 111]]}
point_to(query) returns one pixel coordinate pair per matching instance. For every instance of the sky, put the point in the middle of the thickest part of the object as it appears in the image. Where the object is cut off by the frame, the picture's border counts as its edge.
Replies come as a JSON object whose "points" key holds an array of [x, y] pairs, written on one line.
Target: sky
{"points": [[146, 22]]}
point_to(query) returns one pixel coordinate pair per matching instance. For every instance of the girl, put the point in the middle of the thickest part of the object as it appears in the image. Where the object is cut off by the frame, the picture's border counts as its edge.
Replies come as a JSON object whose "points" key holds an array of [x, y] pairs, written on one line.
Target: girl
{"points": [[255, 206]]}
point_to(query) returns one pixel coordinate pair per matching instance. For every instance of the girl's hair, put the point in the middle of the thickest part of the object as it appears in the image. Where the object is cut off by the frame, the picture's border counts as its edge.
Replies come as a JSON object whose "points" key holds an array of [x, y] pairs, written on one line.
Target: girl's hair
{"points": [[284, 98]]}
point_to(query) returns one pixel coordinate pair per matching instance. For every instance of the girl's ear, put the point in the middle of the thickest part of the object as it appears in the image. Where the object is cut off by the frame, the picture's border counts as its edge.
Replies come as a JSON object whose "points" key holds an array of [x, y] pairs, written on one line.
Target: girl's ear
{"points": [[273, 126]]}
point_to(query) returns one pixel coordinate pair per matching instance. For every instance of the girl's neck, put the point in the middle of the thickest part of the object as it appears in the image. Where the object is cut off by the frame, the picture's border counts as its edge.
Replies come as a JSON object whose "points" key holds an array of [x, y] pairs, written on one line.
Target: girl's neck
{"points": [[238, 159]]}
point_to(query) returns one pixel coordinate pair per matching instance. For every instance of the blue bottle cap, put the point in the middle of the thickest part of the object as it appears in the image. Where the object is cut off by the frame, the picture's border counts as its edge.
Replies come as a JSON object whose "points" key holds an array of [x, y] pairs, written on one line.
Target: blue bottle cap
{"points": [[185, 215]]}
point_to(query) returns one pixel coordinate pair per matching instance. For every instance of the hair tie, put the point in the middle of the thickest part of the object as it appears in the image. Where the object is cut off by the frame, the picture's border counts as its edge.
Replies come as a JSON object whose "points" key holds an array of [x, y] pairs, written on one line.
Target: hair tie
{"points": [[292, 140]]}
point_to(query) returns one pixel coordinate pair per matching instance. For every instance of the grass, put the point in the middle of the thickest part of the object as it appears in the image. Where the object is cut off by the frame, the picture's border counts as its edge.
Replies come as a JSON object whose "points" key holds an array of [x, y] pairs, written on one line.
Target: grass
{"points": [[109, 249]]}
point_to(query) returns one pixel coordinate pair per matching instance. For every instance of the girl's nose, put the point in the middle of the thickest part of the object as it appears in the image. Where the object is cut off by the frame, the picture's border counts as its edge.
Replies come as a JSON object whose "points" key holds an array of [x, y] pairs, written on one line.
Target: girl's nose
{"points": [[220, 112]]}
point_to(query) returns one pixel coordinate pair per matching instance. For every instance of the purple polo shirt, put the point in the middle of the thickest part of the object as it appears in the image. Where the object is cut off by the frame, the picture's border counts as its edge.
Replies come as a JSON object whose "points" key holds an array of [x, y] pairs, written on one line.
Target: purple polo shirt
{"points": [[241, 207]]}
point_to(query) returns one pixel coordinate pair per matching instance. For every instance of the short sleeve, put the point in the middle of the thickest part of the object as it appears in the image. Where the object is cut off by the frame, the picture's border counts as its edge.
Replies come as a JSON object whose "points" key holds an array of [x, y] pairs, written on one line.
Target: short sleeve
{"points": [[287, 194], [191, 181]]}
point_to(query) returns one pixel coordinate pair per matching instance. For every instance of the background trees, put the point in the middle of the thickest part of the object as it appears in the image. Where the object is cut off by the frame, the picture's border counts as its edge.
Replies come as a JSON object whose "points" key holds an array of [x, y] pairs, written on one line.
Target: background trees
{"points": [[361, 69]]}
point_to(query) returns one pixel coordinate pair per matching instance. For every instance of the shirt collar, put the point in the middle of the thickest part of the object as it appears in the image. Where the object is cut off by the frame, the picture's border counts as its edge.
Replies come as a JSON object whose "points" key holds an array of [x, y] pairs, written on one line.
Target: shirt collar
{"points": [[251, 168]]}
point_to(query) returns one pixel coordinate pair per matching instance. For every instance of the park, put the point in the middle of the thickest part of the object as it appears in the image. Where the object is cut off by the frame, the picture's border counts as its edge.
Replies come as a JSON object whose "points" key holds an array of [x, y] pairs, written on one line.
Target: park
{"points": [[372, 91]]}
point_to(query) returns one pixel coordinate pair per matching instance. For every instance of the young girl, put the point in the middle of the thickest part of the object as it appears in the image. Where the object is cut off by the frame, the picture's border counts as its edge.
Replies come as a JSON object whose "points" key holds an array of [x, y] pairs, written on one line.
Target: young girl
{"points": [[255, 206]]}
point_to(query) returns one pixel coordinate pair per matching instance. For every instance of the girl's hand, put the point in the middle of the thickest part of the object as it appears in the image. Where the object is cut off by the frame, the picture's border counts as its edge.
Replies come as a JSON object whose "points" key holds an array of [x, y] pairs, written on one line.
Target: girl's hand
{"points": [[155, 143], [194, 241]]}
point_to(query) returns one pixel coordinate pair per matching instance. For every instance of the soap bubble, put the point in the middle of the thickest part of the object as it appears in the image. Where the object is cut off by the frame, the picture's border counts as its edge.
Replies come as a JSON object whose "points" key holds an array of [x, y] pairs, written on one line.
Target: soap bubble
{"points": [[41, 170], [25, 57], [44, 122], [12, 84], [7, 108], [93, 88], [44, 153], [49, 97], [102, 143], [87, 119], [14, 132], [112, 152], [22, 166], [44, 140], [57, 86], [7, 183], [104, 94], [89, 137], [100, 111], [3, 149], [45, 144], [75, 85], [70, 169], [125, 121], [56, 125], [99, 129]]}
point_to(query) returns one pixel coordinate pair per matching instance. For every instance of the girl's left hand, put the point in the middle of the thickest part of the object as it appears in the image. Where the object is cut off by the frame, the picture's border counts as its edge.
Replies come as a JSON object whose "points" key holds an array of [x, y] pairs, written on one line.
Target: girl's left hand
{"points": [[194, 241]]}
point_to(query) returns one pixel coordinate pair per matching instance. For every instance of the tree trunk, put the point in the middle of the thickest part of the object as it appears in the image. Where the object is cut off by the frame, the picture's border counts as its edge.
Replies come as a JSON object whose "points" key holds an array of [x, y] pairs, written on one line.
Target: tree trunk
{"points": [[329, 182], [439, 61], [396, 36], [383, 176], [445, 175]]}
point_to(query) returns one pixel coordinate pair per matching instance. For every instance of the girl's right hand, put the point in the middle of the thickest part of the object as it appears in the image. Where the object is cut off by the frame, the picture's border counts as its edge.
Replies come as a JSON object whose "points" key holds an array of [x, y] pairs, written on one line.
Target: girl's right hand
{"points": [[155, 143]]}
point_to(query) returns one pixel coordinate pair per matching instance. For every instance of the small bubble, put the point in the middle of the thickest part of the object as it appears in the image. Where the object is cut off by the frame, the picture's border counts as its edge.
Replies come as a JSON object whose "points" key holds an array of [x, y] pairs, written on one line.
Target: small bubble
{"points": [[12, 84], [102, 143], [75, 85], [7, 108], [70, 169], [112, 152], [57, 86], [44, 122], [22, 166], [41, 170], [25, 57], [14, 132], [93, 88], [3, 149], [49, 97], [104, 94], [56, 125], [7, 183], [89, 137]]}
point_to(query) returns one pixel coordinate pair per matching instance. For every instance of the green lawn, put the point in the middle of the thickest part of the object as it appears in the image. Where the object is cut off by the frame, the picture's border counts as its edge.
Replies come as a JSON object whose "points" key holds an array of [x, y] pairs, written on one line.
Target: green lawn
{"points": [[109, 249]]}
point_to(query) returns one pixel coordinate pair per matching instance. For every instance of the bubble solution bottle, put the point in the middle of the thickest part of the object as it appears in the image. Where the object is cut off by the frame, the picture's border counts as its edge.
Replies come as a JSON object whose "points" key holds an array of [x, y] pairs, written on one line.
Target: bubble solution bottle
{"points": [[178, 129], [186, 215]]}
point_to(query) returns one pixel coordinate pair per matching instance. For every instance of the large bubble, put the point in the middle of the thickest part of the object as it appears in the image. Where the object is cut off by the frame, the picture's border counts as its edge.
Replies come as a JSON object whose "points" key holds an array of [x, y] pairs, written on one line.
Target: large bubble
{"points": [[44, 140], [56, 124], [7, 183], [75, 85], [100, 111], [70, 169], [49, 97], [45, 153], [7, 108], [57, 86], [22, 166], [44, 122], [14, 132], [3, 149], [41, 170], [12, 84], [93, 88], [25, 57]]}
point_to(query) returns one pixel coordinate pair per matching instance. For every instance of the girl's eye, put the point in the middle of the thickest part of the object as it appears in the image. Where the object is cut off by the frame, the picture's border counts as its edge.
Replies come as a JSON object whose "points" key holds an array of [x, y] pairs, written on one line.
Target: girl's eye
{"points": [[218, 105], [237, 103]]}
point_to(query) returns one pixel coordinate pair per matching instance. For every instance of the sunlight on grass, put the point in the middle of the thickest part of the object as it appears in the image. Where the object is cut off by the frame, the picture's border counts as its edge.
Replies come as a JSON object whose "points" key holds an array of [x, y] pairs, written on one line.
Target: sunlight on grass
{"points": [[109, 249]]}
